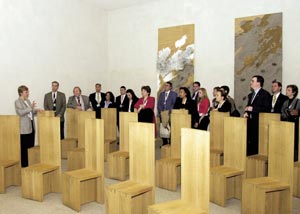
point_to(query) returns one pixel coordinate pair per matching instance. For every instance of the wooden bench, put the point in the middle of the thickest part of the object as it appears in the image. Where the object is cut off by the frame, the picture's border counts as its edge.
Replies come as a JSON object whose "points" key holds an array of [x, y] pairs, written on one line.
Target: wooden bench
{"points": [[135, 195], [10, 170], [273, 194], [226, 180], [257, 165], [195, 176], [296, 181], [118, 162], [42, 178], [85, 185], [168, 170]]}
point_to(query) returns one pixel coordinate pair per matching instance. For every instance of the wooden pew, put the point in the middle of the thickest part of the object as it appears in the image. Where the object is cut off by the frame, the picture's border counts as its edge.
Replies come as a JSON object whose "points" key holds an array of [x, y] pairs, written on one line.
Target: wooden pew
{"points": [[85, 185], [165, 151], [42, 178], [296, 181], [10, 170], [273, 194], [168, 169], [216, 128], [195, 176], [118, 162], [109, 115], [226, 180], [257, 165], [71, 140], [135, 195], [34, 152], [76, 157]]}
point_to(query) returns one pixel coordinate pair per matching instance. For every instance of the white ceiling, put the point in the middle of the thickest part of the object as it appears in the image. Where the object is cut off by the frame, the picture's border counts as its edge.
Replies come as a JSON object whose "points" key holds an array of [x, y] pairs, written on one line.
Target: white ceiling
{"points": [[117, 4]]}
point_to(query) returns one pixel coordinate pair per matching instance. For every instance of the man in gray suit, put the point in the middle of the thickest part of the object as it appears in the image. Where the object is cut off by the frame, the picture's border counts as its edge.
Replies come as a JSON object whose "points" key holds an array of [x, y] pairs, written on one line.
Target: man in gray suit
{"points": [[78, 101], [56, 101]]}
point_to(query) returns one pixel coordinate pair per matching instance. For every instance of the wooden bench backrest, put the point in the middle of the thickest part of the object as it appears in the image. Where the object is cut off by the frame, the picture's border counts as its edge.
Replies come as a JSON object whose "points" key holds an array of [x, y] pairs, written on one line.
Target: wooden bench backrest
{"points": [[46, 114], [82, 116], [94, 145], [141, 152], [216, 128], [178, 121], [235, 141], [71, 123], [195, 167], [9, 137], [125, 118], [281, 151], [49, 140], [179, 111], [109, 115], [264, 119]]}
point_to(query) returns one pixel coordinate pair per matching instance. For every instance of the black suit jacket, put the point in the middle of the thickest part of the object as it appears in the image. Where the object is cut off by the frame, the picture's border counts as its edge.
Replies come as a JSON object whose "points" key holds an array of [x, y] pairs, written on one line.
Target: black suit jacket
{"points": [[93, 100], [226, 107], [279, 102], [121, 106], [191, 106], [261, 103]]}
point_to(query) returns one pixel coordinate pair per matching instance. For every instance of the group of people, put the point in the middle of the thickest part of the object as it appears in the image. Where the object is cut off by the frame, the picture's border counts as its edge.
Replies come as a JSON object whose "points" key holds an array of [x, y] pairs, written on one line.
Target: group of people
{"points": [[197, 104]]}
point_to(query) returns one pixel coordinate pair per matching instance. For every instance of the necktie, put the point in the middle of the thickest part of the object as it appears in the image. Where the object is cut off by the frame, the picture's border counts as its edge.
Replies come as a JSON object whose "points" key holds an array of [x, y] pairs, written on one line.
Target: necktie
{"points": [[54, 102], [78, 101], [274, 99], [122, 98], [253, 97]]}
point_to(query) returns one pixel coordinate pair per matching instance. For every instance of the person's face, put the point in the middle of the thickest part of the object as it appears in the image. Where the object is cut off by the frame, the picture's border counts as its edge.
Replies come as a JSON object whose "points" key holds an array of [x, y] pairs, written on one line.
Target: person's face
{"points": [[54, 87], [76, 92], [144, 93], [219, 98], [122, 91], [254, 84], [98, 88], [129, 95], [201, 93], [167, 87], [289, 92], [275, 88], [182, 93], [25, 94], [195, 87], [107, 96]]}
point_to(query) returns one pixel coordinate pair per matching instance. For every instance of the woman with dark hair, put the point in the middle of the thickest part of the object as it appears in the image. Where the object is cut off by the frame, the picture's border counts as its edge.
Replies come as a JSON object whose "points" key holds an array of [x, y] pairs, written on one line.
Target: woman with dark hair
{"points": [[290, 112], [132, 100], [109, 101], [185, 101], [145, 106], [203, 109], [223, 104]]}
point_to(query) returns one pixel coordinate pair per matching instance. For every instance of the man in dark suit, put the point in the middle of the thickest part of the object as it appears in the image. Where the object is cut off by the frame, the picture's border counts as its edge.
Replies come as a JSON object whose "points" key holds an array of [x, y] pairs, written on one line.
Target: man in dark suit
{"points": [[166, 101], [196, 89], [277, 98], [56, 101], [121, 102], [258, 101], [78, 101], [96, 98]]}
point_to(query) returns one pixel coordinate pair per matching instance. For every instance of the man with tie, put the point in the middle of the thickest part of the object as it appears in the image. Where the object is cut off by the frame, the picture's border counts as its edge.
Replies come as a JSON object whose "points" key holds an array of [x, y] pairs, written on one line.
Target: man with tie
{"points": [[196, 88], [277, 98], [258, 101], [56, 101], [96, 99], [121, 102], [166, 101], [78, 101]]}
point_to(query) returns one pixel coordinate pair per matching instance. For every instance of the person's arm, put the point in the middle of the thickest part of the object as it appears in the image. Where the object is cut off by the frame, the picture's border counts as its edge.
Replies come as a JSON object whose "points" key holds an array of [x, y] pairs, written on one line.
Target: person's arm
{"points": [[20, 110], [150, 103], [63, 109], [46, 107], [160, 103]]}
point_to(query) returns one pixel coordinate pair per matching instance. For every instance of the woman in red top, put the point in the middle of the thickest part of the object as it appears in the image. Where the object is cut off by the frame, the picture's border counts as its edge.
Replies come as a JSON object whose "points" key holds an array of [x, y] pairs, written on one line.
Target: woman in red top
{"points": [[203, 109], [145, 106]]}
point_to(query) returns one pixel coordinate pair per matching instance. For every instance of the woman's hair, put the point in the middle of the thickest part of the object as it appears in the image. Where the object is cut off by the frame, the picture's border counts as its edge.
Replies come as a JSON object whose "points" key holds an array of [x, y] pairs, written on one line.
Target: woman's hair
{"points": [[112, 97], [223, 93], [204, 95], [294, 89], [146, 88], [21, 89], [130, 91], [187, 91]]}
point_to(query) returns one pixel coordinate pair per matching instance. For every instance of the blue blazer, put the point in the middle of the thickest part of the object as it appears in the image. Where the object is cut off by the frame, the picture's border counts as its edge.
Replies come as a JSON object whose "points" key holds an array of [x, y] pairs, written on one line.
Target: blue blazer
{"points": [[161, 105]]}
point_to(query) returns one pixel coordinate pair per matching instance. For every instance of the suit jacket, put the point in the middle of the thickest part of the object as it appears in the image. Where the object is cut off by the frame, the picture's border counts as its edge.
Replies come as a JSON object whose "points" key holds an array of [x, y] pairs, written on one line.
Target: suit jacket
{"points": [[93, 100], [196, 98], [60, 104], [226, 107], [279, 102], [261, 102], [23, 110], [169, 104], [134, 101], [72, 102], [287, 107], [191, 106], [149, 106], [122, 106]]}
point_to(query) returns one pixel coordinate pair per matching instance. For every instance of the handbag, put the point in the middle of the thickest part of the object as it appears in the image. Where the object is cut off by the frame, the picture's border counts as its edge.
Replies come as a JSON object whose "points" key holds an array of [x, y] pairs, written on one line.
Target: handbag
{"points": [[164, 132]]}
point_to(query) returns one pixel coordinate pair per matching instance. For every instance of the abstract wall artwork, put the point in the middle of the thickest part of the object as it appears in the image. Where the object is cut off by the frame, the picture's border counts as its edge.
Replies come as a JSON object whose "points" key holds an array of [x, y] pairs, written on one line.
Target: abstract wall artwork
{"points": [[175, 61], [258, 50]]}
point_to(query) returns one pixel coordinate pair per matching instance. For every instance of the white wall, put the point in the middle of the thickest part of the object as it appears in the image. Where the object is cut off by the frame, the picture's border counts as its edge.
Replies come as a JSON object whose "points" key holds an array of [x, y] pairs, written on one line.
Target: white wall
{"points": [[41, 41], [132, 39]]}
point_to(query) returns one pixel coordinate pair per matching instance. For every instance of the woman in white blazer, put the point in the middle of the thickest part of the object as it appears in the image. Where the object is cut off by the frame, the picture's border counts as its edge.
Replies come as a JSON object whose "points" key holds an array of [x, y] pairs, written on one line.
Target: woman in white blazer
{"points": [[25, 109]]}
